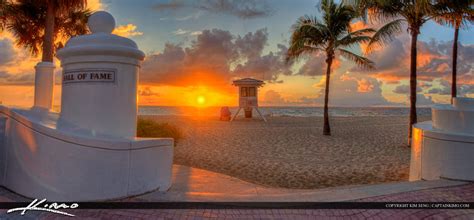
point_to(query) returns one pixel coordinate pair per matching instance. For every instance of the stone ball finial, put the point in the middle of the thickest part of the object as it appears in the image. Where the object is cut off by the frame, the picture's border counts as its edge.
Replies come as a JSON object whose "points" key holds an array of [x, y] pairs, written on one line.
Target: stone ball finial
{"points": [[101, 22]]}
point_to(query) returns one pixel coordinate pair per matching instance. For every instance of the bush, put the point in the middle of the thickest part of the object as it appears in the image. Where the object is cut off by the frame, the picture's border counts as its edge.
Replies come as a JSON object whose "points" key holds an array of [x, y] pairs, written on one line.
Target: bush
{"points": [[151, 129]]}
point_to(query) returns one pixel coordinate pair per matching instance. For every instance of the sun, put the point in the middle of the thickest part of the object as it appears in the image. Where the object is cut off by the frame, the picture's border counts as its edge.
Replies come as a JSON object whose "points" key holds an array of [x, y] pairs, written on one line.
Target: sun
{"points": [[201, 100]]}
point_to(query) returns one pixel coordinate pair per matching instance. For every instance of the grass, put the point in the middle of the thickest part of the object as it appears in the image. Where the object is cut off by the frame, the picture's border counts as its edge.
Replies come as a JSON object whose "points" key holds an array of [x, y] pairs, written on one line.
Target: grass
{"points": [[151, 129]]}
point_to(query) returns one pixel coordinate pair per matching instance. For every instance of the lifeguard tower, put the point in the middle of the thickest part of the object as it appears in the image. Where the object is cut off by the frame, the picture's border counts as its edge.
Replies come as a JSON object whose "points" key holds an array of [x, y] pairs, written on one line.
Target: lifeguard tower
{"points": [[248, 96]]}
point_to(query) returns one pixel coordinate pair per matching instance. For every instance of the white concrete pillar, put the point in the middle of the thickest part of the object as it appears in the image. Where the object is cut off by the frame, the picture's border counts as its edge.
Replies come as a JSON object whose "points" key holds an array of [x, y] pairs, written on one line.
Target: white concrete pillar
{"points": [[100, 80], [44, 85]]}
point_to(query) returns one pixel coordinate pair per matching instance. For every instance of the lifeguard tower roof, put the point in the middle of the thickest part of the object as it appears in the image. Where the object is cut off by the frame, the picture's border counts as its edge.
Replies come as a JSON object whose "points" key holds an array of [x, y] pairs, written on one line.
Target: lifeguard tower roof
{"points": [[248, 82]]}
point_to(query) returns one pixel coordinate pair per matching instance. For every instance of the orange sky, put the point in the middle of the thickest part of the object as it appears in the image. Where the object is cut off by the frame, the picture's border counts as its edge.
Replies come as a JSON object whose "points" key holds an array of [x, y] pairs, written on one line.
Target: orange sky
{"points": [[192, 59]]}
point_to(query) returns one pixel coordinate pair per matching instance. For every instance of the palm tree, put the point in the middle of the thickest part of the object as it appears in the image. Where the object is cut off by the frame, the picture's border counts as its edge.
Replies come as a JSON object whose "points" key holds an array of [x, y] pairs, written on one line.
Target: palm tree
{"points": [[455, 14], [44, 23], [3, 9], [412, 12], [331, 35]]}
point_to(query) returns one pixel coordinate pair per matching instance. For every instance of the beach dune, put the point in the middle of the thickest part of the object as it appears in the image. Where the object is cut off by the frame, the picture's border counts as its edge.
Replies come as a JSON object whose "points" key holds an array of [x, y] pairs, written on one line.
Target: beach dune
{"points": [[291, 152]]}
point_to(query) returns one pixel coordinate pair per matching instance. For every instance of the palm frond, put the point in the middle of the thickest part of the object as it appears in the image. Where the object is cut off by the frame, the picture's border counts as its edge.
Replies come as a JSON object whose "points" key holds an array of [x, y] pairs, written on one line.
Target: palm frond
{"points": [[65, 6], [350, 41], [379, 10], [341, 19], [3, 9], [424, 7], [359, 60], [332, 31], [360, 6], [456, 14], [385, 34], [355, 37], [308, 36], [363, 31], [25, 19]]}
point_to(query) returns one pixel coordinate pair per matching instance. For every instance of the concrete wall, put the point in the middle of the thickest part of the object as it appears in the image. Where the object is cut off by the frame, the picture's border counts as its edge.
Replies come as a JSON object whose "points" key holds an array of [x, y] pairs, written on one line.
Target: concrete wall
{"points": [[43, 162], [435, 154]]}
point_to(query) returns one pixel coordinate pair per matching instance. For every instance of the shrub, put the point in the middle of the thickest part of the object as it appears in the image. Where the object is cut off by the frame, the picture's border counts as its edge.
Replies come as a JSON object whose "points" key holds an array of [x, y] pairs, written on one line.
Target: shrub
{"points": [[151, 129]]}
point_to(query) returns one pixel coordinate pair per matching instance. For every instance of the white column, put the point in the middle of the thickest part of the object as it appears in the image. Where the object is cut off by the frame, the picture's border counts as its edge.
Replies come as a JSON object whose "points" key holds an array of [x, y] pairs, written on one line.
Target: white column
{"points": [[44, 84]]}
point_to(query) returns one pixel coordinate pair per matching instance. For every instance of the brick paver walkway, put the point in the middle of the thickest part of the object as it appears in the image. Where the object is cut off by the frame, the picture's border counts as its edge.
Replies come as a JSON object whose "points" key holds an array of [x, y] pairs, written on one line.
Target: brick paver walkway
{"points": [[462, 193]]}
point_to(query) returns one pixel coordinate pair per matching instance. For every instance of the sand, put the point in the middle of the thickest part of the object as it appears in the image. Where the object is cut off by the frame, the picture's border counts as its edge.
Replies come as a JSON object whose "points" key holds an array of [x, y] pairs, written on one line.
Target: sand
{"points": [[291, 152]]}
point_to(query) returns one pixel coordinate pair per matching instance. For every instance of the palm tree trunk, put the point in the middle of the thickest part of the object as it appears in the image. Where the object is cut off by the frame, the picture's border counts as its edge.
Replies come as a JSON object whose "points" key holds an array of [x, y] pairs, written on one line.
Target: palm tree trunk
{"points": [[48, 40], [327, 128], [413, 83], [455, 61]]}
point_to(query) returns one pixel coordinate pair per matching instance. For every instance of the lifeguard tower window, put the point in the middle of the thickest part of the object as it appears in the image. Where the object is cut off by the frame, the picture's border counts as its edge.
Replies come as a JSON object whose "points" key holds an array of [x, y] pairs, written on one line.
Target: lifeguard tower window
{"points": [[248, 92], [244, 92], [252, 92]]}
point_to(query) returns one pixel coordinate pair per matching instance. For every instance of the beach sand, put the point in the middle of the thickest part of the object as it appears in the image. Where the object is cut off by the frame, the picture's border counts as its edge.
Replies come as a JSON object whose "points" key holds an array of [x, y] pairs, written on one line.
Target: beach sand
{"points": [[291, 152]]}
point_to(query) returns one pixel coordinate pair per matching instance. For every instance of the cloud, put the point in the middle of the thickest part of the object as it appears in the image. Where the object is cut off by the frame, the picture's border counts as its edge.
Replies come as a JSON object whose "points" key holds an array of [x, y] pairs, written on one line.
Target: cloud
{"points": [[351, 89], [359, 91], [128, 30], [267, 67], [252, 44], [190, 17], [434, 66], [173, 5], [390, 62], [465, 90], [147, 91], [272, 97], [244, 9], [357, 25], [437, 61], [96, 5], [405, 89], [315, 65], [440, 91], [7, 52], [195, 33], [444, 88], [364, 85], [433, 61], [17, 79], [16, 64], [422, 100], [214, 58], [180, 32], [425, 85]]}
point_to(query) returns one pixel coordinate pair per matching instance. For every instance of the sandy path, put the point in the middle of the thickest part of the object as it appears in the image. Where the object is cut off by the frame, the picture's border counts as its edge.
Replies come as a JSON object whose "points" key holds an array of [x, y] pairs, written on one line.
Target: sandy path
{"points": [[291, 152]]}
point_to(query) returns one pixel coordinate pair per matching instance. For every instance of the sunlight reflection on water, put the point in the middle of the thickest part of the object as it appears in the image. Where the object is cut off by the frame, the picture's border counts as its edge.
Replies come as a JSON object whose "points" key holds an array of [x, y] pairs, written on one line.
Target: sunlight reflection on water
{"points": [[284, 111]]}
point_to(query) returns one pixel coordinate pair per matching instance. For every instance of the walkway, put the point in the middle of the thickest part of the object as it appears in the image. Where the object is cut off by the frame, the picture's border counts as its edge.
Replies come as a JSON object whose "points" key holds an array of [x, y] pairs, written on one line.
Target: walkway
{"points": [[190, 184]]}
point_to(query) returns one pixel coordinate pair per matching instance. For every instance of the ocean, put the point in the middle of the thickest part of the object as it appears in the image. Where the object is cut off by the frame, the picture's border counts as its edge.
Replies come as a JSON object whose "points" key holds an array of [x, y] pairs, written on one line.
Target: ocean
{"points": [[284, 111]]}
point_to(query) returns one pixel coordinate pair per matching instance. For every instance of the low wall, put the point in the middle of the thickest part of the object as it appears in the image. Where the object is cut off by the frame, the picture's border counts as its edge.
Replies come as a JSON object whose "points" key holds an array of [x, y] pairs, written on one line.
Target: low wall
{"points": [[436, 154], [44, 162]]}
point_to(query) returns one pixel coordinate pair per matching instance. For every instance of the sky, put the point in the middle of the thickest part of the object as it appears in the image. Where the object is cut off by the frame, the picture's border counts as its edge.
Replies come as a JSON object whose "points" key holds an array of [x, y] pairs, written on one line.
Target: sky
{"points": [[196, 48]]}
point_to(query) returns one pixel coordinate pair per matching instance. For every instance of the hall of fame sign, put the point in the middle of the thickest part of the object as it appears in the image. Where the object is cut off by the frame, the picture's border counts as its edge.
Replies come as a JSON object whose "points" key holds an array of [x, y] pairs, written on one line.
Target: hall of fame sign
{"points": [[89, 76]]}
